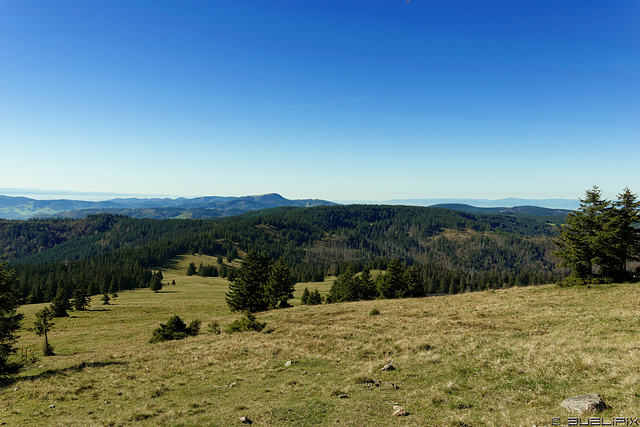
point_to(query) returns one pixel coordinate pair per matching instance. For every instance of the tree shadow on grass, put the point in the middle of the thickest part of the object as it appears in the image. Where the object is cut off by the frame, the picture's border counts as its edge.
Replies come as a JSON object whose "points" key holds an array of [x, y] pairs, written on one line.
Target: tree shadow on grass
{"points": [[170, 265], [7, 381]]}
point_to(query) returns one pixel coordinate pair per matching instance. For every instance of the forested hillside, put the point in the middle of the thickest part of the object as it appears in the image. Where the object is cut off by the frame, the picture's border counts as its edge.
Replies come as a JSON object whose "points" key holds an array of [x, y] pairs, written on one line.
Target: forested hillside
{"points": [[107, 252]]}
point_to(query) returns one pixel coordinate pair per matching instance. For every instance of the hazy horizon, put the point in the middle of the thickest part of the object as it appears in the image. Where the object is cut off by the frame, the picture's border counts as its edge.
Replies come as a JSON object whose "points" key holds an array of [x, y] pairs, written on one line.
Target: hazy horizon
{"points": [[39, 194]]}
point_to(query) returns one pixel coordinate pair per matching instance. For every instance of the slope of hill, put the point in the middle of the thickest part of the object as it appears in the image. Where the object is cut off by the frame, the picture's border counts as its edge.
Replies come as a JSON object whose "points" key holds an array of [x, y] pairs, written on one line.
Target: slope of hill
{"points": [[200, 207], [106, 251], [507, 357], [546, 214]]}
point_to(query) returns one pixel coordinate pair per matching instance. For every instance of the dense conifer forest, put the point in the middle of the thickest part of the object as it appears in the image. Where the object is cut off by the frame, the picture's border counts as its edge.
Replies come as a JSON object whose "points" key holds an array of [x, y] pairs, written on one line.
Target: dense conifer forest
{"points": [[450, 251]]}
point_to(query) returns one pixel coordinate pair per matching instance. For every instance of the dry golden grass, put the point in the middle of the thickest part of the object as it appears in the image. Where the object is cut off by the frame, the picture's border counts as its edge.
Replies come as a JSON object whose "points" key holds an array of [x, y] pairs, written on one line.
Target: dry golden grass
{"points": [[507, 357]]}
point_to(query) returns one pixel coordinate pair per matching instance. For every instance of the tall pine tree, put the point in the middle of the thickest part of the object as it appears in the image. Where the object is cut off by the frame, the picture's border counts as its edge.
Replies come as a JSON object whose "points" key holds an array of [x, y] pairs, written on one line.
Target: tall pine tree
{"points": [[280, 286], [248, 289], [392, 284], [623, 235], [60, 304], [600, 239], [581, 242], [9, 319]]}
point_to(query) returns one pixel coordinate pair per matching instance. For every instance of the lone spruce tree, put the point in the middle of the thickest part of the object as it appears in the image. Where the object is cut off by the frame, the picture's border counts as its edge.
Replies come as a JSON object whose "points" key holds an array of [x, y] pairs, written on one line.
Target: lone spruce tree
{"points": [[280, 286], [81, 299], [156, 282], [247, 291], [60, 304], [9, 319], [42, 326]]}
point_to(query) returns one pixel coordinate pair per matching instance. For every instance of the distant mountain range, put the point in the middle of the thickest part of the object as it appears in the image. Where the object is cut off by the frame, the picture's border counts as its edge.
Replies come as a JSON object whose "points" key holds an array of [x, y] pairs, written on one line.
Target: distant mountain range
{"points": [[219, 206], [570, 204], [159, 208], [546, 214]]}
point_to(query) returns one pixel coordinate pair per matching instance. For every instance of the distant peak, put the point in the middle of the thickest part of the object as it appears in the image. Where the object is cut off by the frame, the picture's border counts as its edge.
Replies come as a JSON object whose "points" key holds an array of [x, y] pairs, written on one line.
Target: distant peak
{"points": [[269, 196]]}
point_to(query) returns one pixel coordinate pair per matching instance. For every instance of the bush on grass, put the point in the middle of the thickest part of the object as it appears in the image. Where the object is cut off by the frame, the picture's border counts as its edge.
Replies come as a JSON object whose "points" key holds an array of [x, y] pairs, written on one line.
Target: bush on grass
{"points": [[175, 329], [247, 323]]}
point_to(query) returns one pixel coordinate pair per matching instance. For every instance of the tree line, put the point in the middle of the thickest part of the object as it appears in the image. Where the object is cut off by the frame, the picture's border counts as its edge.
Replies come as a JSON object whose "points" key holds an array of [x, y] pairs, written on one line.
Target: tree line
{"points": [[109, 253], [400, 280]]}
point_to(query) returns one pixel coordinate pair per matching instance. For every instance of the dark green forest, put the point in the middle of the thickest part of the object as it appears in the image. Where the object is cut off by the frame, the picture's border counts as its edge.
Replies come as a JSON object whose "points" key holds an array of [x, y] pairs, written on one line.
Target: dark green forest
{"points": [[453, 251]]}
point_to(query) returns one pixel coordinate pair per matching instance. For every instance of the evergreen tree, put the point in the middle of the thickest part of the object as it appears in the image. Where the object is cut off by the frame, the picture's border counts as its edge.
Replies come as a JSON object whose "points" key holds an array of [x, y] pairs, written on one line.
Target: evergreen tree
{"points": [[105, 299], [191, 270], [113, 286], [9, 319], [80, 299], [156, 282], [314, 298], [247, 291], [346, 288], [391, 284], [624, 236], [305, 296], [280, 286], [60, 304], [367, 286], [582, 244], [42, 326], [412, 284], [175, 329]]}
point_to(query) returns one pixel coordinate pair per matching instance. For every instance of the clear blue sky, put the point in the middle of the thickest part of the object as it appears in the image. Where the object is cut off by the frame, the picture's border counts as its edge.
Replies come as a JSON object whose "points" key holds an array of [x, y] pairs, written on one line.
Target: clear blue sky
{"points": [[339, 100]]}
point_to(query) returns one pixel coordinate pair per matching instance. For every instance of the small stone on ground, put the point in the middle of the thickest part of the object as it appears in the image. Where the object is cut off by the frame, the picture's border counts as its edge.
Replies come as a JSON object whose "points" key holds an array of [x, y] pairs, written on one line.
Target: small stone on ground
{"points": [[399, 411], [584, 403]]}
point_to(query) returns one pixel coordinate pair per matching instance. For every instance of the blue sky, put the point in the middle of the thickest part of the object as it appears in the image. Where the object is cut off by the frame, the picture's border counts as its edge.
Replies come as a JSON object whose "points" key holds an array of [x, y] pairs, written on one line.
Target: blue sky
{"points": [[339, 100]]}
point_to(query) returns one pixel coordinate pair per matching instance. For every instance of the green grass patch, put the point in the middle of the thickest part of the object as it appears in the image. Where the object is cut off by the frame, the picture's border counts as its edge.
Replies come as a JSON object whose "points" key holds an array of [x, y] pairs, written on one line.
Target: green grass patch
{"points": [[507, 357]]}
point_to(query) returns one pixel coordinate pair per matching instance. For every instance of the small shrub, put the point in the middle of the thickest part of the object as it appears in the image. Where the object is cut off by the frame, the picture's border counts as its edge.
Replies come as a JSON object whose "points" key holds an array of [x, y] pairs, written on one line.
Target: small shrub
{"points": [[247, 323], [374, 312], [175, 329], [214, 327]]}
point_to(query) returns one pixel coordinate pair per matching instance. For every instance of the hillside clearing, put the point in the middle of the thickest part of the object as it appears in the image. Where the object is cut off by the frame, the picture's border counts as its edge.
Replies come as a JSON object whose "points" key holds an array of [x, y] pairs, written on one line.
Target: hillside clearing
{"points": [[507, 357]]}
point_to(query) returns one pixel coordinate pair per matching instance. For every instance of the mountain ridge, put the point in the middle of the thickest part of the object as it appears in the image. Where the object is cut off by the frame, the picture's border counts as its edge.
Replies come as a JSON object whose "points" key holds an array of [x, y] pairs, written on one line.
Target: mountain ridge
{"points": [[159, 208]]}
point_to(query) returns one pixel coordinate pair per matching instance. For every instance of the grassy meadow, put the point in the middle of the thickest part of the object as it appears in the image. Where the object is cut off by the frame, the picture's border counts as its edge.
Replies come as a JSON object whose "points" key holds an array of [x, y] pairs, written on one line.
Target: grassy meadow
{"points": [[506, 357]]}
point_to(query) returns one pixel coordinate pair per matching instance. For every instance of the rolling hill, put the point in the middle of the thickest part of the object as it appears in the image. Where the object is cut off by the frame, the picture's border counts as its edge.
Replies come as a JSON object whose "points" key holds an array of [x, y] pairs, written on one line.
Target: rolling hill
{"points": [[456, 250], [505, 357], [158, 208]]}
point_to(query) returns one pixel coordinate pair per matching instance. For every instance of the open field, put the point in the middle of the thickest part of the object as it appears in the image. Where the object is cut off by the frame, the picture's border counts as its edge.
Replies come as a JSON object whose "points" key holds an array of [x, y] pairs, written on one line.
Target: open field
{"points": [[507, 357]]}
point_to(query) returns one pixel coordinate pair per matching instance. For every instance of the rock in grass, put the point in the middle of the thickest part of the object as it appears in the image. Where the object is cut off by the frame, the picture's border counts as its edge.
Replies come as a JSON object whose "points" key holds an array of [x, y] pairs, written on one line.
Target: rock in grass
{"points": [[399, 411], [288, 363], [584, 403], [388, 367], [371, 381], [245, 420]]}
